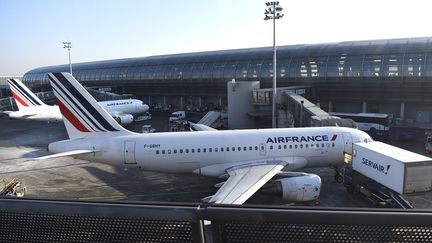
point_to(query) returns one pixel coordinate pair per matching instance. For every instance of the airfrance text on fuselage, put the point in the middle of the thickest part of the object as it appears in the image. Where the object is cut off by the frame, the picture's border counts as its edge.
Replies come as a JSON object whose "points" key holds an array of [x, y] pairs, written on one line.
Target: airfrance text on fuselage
{"points": [[295, 139], [120, 103]]}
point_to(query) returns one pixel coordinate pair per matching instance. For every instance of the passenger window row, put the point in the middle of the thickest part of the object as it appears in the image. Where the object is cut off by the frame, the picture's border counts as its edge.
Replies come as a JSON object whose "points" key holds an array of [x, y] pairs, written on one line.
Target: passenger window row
{"points": [[245, 148]]}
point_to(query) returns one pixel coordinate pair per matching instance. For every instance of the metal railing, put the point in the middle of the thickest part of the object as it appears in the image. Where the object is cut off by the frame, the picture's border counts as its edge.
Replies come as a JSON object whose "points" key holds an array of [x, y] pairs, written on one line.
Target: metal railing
{"points": [[28, 220]]}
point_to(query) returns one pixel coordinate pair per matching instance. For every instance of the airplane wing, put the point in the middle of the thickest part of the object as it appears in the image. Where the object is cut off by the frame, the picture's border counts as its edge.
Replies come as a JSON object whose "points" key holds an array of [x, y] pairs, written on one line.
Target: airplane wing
{"points": [[68, 153], [244, 181]]}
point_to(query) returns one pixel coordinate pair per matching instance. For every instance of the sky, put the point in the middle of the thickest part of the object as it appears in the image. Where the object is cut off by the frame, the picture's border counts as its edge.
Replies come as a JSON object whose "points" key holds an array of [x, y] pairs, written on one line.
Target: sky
{"points": [[32, 31]]}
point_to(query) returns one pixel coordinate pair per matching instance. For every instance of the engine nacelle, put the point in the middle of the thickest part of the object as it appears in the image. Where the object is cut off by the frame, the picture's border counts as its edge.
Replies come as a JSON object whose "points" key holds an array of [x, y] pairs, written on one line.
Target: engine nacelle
{"points": [[124, 119], [297, 189]]}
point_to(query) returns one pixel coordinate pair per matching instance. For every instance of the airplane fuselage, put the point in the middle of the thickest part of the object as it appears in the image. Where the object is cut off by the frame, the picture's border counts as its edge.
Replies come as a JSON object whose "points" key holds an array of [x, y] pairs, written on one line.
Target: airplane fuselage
{"points": [[127, 106], [51, 113], [212, 152], [38, 113]]}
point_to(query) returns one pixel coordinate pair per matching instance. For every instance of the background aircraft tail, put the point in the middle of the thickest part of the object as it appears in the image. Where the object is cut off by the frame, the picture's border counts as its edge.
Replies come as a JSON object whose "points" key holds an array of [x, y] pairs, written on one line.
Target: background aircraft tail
{"points": [[82, 114], [23, 96]]}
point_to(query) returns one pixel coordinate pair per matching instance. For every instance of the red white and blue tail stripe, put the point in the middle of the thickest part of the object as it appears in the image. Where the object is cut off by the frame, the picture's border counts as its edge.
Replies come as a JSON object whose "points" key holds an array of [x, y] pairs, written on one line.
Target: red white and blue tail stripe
{"points": [[22, 95], [83, 115]]}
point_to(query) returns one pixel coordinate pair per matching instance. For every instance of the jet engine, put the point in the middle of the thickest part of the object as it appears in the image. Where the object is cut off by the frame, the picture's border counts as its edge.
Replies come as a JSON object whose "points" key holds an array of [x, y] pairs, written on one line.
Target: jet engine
{"points": [[124, 119], [297, 189]]}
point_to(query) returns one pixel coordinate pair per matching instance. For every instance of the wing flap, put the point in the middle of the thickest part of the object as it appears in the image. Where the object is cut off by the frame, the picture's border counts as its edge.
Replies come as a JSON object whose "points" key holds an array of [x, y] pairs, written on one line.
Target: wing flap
{"points": [[244, 181]]}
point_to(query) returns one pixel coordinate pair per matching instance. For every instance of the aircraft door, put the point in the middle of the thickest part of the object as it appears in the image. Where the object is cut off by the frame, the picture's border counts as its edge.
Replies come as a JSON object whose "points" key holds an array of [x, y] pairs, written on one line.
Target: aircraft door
{"points": [[129, 152], [348, 143], [262, 149]]}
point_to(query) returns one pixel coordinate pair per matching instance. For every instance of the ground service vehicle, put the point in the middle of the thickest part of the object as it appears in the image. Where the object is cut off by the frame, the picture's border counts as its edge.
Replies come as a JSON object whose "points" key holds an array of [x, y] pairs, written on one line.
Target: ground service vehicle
{"points": [[398, 169]]}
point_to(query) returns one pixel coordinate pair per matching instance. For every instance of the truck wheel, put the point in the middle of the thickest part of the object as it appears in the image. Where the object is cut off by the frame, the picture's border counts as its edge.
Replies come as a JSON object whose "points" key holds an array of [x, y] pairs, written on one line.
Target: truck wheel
{"points": [[338, 178]]}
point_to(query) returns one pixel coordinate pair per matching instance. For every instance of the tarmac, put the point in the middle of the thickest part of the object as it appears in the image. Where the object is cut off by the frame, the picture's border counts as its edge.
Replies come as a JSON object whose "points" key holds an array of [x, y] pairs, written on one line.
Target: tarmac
{"points": [[74, 179]]}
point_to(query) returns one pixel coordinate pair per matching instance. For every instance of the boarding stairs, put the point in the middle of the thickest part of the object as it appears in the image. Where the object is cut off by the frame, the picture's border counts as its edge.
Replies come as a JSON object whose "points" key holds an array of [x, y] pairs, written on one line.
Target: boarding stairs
{"points": [[214, 119]]}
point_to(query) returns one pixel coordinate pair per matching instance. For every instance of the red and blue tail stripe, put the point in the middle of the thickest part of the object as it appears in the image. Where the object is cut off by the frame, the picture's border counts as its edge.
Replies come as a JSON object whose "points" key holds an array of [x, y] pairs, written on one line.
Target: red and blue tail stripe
{"points": [[22, 94], [83, 115]]}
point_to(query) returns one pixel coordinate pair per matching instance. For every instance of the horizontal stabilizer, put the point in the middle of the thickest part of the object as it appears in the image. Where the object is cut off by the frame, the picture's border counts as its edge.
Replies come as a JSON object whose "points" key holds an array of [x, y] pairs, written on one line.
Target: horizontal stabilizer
{"points": [[64, 154]]}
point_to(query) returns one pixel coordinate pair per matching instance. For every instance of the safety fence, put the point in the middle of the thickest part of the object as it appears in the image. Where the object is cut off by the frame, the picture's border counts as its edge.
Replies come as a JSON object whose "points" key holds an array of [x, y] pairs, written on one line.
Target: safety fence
{"points": [[32, 220]]}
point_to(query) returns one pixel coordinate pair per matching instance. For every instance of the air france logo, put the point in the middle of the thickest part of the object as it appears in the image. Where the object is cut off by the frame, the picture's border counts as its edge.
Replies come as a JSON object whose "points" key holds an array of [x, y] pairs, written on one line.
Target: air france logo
{"points": [[376, 166], [296, 139], [120, 103]]}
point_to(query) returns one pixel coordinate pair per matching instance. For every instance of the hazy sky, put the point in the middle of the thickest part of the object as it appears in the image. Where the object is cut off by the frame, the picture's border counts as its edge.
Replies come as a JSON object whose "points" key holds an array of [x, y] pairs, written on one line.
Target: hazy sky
{"points": [[32, 31]]}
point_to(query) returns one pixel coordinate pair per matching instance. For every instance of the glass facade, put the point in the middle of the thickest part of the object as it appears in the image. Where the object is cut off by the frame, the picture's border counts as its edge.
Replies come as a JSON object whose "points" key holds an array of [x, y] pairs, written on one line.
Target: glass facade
{"points": [[330, 67]]}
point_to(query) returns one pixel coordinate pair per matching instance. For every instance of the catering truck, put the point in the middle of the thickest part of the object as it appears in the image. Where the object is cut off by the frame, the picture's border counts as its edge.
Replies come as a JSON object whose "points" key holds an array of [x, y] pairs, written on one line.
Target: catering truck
{"points": [[383, 173]]}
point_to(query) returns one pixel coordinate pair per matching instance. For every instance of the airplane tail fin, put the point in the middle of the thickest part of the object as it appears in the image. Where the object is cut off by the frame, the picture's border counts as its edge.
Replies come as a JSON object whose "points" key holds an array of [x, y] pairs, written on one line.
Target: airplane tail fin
{"points": [[82, 114], [23, 96]]}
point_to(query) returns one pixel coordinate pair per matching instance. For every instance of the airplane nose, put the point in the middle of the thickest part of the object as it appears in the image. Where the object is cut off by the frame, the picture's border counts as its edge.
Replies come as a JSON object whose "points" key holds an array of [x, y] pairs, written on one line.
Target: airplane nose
{"points": [[146, 107]]}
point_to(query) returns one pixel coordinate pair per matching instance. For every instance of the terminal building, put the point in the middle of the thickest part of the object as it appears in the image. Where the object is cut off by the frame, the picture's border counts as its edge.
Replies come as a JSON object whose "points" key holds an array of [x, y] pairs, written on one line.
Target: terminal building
{"points": [[379, 76]]}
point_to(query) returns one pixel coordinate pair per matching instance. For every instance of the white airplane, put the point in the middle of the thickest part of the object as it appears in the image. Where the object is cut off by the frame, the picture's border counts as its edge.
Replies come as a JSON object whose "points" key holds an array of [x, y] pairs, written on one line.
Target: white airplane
{"points": [[31, 107], [248, 159]]}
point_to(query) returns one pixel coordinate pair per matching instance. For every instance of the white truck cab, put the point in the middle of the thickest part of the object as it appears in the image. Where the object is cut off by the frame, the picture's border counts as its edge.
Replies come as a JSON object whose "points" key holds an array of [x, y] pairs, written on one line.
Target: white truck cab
{"points": [[177, 116]]}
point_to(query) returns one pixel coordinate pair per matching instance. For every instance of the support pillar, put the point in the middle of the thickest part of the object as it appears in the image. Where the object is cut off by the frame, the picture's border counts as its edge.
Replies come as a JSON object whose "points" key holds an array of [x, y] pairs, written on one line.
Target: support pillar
{"points": [[364, 107], [402, 111], [330, 106]]}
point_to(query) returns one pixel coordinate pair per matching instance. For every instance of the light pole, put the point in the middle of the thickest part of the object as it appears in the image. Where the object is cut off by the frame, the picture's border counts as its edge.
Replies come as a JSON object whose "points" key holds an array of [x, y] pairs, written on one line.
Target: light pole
{"points": [[273, 11], [68, 45]]}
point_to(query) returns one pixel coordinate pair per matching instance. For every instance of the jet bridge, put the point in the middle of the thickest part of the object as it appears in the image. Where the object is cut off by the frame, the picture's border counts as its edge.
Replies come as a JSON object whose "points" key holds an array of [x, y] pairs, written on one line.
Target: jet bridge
{"points": [[307, 114]]}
